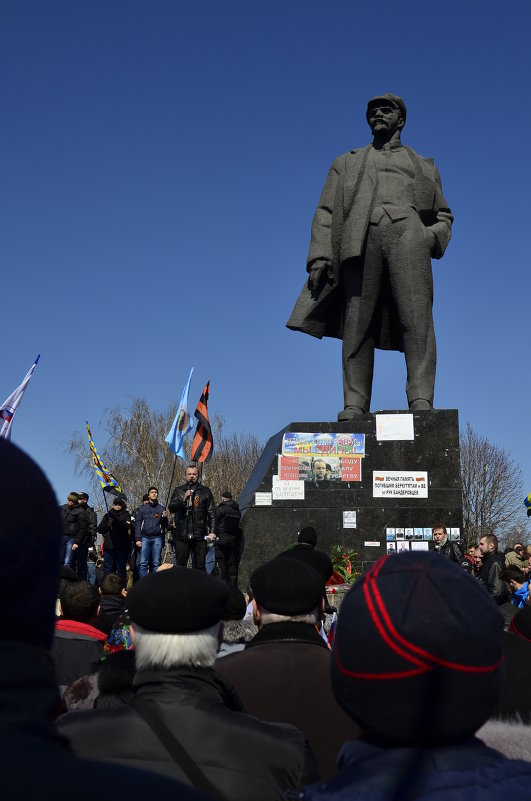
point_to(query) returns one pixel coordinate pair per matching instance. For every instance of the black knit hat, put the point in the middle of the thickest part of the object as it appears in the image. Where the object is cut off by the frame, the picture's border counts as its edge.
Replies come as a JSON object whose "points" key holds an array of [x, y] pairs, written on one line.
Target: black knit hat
{"points": [[418, 651], [178, 601], [309, 535], [29, 544], [287, 587]]}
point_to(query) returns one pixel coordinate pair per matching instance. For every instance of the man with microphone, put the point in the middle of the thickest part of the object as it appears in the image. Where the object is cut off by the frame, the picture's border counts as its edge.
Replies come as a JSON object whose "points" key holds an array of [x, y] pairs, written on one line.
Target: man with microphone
{"points": [[195, 515]]}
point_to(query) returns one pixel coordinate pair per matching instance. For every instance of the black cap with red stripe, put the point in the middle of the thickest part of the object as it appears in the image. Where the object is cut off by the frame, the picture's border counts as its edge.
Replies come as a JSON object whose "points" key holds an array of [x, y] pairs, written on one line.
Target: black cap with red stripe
{"points": [[418, 651]]}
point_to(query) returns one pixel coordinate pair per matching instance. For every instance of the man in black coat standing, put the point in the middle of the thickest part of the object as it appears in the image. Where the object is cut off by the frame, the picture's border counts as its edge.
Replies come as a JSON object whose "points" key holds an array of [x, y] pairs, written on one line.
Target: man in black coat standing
{"points": [[283, 673], [76, 536], [227, 534], [195, 516], [493, 564]]}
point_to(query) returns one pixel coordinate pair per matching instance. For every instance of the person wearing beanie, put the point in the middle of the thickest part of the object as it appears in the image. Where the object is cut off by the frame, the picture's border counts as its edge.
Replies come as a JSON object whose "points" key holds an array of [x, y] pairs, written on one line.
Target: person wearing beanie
{"points": [[227, 530], [417, 663], [92, 517], [76, 536], [180, 702], [35, 761], [306, 551], [283, 673], [116, 528]]}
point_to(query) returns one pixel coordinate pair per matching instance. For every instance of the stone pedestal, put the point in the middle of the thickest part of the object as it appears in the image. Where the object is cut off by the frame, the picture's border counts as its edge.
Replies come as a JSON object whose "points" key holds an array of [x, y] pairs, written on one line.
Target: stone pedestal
{"points": [[394, 491]]}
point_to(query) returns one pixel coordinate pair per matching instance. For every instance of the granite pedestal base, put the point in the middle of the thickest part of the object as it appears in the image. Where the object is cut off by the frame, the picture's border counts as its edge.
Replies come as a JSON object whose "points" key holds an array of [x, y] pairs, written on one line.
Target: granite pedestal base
{"points": [[329, 505]]}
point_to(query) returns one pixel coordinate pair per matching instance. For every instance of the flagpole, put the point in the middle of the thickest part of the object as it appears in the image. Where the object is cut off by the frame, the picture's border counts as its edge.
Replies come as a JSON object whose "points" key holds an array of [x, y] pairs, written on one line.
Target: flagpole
{"points": [[171, 479]]}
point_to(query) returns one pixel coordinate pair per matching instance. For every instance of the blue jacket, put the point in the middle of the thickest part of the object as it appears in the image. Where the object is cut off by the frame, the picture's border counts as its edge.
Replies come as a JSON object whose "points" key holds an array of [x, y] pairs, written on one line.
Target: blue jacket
{"points": [[369, 772], [520, 595], [149, 521]]}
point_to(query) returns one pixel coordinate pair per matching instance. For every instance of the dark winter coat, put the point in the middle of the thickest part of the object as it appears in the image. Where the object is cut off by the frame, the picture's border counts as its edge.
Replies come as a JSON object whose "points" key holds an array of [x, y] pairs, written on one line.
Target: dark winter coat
{"points": [[453, 551], [196, 519], [227, 522], [111, 607], [75, 524], [243, 757], [283, 674], [77, 648], [36, 763], [115, 527], [493, 564], [92, 522], [460, 772]]}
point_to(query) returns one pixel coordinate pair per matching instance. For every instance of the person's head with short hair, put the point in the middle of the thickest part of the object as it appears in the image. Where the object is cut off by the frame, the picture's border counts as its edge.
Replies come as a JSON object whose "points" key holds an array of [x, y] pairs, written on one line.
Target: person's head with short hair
{"points": [[440, 534], [488, 544], [226, 496], [287, 589], [177, 618], [408, 666], [83, 499], [319, 469], [80, 601], [112, 584], [513, 577], [153, 494], [145, 498], [72, 499], [191, 474], [478, 558], [519, 550], [471, 550]]}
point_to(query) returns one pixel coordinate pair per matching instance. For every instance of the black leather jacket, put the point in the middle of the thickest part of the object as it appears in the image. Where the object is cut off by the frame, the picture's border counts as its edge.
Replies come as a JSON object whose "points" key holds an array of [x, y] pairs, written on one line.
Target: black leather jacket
{"points": [[227, 522], [196, 518], [493, 564]]}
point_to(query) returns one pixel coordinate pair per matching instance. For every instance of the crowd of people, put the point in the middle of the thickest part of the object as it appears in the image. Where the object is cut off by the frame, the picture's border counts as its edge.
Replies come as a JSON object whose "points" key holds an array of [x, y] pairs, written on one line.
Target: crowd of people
{"points": [[181, 685], [132, 543]]}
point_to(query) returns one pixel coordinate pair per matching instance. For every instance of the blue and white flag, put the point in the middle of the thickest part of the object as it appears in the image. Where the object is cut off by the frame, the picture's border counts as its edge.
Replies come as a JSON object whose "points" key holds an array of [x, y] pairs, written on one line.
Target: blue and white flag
{"points": [[182, 423], [9, 407]]}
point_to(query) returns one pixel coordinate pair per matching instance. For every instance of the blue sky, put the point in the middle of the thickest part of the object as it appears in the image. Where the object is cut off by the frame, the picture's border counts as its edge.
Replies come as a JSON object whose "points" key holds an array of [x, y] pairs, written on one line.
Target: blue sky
{"points": [[161, 166]]}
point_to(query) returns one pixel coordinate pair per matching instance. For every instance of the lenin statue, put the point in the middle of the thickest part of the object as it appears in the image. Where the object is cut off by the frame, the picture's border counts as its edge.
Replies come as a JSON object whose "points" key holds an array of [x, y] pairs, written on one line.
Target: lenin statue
{"points": [[381, 218]]}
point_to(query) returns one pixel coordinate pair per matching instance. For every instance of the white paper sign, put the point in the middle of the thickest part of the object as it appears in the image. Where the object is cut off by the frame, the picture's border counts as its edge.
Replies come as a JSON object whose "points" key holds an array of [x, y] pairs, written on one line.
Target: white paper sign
{"points": [[394, 426], [262, 499], [399, 484], [287, 490], [349, 519], [372, 544]]}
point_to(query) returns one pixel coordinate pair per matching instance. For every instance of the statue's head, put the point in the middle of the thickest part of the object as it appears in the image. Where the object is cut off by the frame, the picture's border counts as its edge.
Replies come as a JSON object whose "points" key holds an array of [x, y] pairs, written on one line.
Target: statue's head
{"points": [[386, 113]]}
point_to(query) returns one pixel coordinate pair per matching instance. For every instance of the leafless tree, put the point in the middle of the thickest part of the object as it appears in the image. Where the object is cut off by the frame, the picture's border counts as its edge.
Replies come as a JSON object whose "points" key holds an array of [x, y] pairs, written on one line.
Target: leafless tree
{"points": [[492, 488], [137, 455]]}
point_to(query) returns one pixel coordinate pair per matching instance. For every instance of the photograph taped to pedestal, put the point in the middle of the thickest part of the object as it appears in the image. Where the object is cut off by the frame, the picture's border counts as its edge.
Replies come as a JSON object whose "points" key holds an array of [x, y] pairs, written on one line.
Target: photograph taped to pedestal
{"points": [[349, 519], [399, 484]]}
